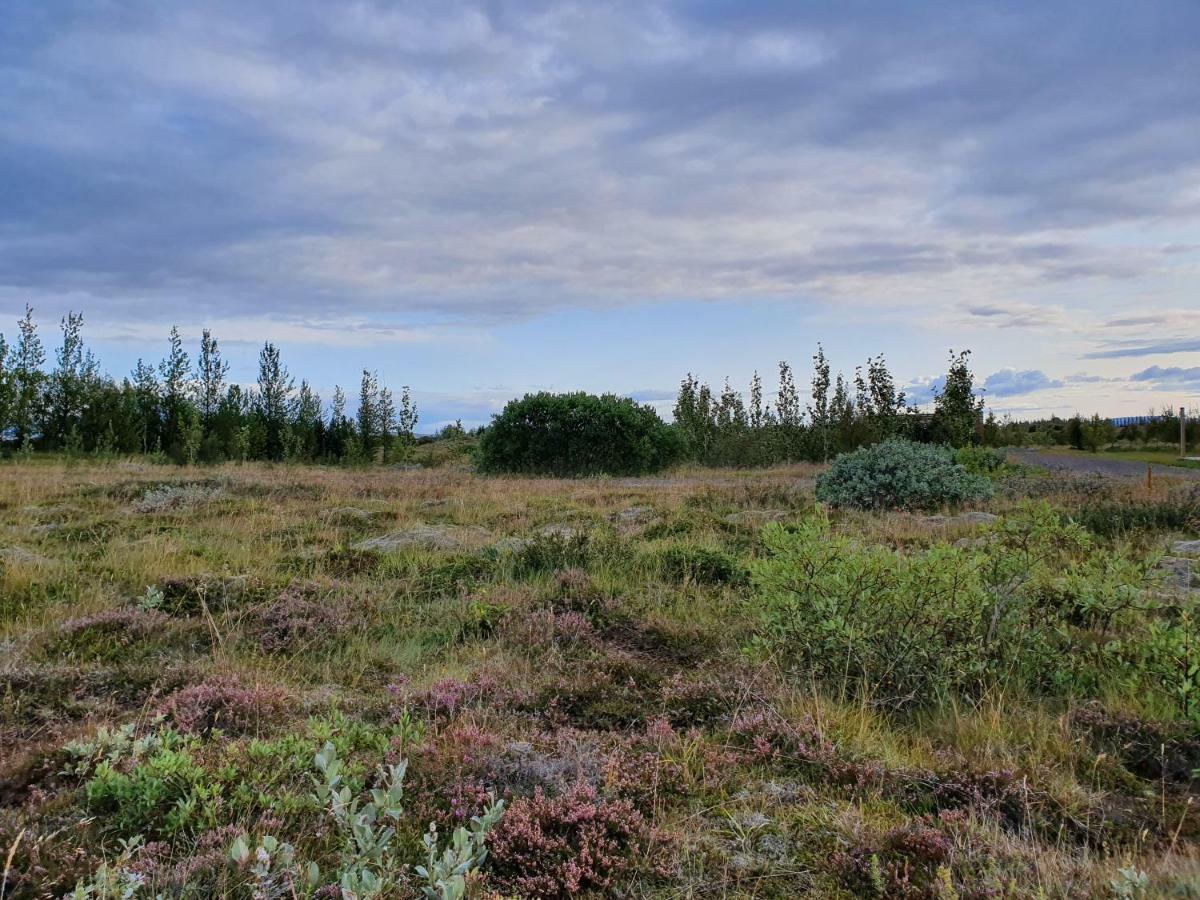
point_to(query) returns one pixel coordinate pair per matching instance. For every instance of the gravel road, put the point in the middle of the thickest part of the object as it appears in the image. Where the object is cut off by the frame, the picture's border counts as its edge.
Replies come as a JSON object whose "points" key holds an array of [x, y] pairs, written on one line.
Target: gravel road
{"points": [[1113, 468]]}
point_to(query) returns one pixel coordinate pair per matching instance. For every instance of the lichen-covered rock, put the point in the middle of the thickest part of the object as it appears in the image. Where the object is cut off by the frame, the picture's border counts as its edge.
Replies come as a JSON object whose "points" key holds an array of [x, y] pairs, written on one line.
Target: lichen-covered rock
{"points": [[348, 515], [756, 517], [427, 537]]}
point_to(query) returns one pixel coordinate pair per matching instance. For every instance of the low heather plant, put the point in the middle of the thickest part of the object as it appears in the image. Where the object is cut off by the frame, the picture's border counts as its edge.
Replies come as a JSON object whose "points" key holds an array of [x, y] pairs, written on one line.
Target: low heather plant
{"points": [[109, 635]]}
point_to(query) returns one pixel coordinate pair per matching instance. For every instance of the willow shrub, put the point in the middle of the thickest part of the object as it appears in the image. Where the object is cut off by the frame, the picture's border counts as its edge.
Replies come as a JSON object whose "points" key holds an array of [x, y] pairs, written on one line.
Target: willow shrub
{"points": [[1037, 605]]}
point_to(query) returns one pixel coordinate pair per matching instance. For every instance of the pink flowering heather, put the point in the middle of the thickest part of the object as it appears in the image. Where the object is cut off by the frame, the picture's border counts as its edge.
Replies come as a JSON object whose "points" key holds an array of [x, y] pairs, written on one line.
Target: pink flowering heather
{"points": [[296, 621], [446, 698], [561, 846], [771, 737], [224, 702]]}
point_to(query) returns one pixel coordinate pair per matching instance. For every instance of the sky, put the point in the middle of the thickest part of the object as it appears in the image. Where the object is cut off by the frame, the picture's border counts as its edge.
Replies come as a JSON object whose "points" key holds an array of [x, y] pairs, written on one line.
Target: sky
{"points": [[484, 199]]}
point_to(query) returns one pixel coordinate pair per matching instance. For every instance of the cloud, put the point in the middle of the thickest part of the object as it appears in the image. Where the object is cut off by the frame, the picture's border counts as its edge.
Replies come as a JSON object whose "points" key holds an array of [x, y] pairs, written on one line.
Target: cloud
{"points": [[1011, 383], [481, 162], [1186, 345], [1170, 377], [1019, 315], [923, 391]]}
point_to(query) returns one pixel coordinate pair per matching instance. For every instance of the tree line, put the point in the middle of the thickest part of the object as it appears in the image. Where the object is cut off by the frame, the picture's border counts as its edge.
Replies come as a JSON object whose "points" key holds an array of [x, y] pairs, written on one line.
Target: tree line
{"points": [[187, 411], [723, 428]]}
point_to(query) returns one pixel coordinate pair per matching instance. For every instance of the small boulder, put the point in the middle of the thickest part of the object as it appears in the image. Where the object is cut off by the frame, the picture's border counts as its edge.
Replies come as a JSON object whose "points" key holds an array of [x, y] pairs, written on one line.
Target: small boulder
{"points": [[1186, 548]]}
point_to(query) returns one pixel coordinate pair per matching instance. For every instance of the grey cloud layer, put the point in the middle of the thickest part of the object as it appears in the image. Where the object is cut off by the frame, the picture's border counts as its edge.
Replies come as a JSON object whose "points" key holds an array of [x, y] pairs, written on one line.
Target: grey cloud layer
{"points": [[496, 160]]}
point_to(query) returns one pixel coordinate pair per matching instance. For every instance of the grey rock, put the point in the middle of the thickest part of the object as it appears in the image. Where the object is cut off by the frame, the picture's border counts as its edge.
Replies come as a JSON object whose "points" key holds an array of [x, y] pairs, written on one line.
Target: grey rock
{"points": [[636, 515], [975, 517], [1186, 548], [1179, 572], [21, 557], [426, 537], [170, 497], [561, 530], [511, 544]]}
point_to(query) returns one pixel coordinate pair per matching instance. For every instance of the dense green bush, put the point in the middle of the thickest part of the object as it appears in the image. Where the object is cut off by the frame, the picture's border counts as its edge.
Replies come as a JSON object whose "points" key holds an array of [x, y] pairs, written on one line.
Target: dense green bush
{"points": [[899, 474], [577, 434], [981, 460]]}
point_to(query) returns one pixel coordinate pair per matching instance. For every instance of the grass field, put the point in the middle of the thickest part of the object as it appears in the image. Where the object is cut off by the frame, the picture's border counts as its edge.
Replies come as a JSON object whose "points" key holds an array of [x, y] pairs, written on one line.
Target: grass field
{"points": [[1007, 708]]}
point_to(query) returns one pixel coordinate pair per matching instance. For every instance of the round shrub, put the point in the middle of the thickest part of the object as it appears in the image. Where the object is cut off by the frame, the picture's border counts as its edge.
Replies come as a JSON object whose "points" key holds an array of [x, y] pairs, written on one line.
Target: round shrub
{"points": [[577, 434], [899, 474]]}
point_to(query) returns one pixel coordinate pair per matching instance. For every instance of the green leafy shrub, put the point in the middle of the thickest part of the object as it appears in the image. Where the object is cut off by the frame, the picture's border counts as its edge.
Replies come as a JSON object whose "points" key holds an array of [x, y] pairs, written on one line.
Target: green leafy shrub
{"points": [[1037, 603], [163, 794], [899, 474], [365, 832], [577, 434]]}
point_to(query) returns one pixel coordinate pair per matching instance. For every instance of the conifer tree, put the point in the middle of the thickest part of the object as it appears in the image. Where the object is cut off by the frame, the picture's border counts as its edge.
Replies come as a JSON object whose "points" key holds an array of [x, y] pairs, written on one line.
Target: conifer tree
{"points": [[179, 417], [212, 370], [69, 386], [368, 419], [147, 393], [274, 391]]}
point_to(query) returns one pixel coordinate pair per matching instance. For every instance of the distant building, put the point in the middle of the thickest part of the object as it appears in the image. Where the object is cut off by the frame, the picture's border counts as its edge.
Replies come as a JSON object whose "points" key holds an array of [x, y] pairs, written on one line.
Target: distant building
{"points": [[1122, 421]]}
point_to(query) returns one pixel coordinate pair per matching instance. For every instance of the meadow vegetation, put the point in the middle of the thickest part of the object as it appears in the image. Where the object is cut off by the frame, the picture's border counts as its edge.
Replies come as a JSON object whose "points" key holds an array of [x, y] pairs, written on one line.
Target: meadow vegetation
{"points": [[272, 681]]}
